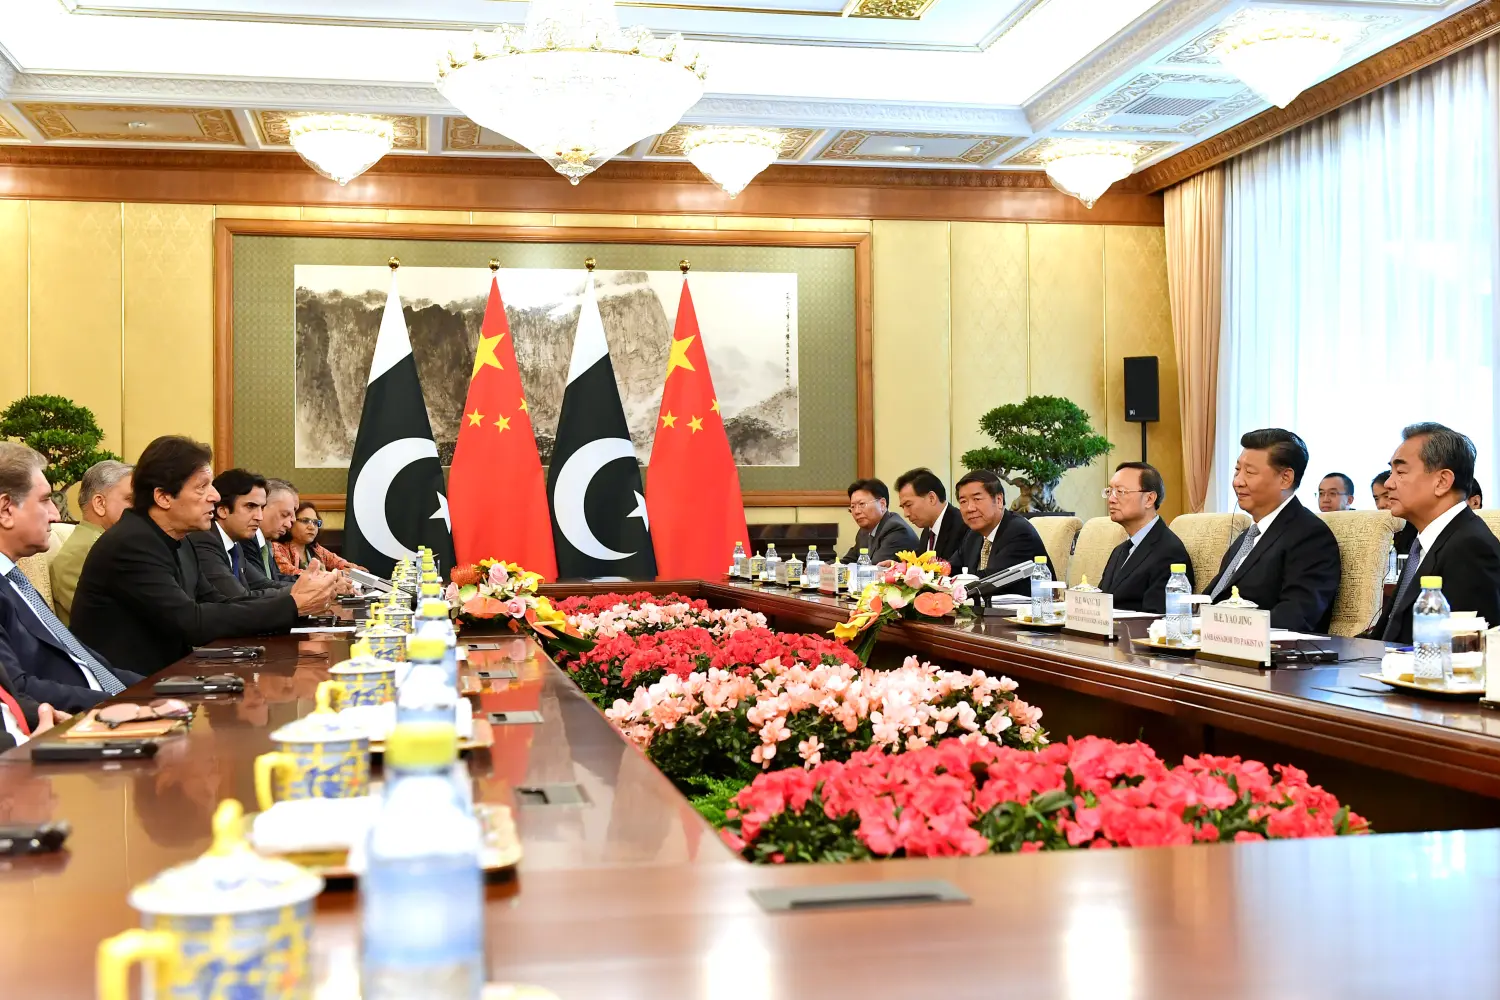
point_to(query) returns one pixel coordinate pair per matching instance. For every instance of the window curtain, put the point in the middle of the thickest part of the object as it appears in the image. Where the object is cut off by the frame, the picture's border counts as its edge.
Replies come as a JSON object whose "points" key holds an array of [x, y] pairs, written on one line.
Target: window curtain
{"points": [[1195, 281], [1360, 265]]}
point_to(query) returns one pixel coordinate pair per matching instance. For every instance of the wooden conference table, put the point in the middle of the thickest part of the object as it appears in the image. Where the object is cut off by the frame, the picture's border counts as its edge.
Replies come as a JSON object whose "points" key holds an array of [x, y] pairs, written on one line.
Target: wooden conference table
{"points": [[629, 894]]}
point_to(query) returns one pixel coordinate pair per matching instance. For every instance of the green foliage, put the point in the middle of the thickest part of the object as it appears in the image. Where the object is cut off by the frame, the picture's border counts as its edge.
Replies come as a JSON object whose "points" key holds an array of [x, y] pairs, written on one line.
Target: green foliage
{"points": [[807, 835], [1036, 441], [64, 432], [713, 796]]}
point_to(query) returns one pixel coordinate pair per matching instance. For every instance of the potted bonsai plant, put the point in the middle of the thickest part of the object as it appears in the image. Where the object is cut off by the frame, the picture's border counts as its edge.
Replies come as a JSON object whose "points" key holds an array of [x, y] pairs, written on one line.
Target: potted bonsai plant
{"points": [[66, 434], [1036, 441]]}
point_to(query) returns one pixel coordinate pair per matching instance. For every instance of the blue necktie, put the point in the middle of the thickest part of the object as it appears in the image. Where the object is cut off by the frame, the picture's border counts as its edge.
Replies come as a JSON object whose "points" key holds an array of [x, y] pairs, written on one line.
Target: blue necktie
{"points": [[1413, 560], [81, 656], [234, 562]]}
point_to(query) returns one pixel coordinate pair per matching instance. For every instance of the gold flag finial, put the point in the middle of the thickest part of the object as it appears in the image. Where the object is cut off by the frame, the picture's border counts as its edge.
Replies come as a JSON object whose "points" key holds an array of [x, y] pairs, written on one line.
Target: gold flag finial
{"points": [[683, 265], [394, 263], [494, 264], [589, 264]]}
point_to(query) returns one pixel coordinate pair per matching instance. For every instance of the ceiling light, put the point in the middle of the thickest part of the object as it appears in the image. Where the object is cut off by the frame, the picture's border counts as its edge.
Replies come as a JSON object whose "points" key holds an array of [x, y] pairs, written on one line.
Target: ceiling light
{"points": [[135, 125], [341, 147], [570, 85], [1085, 170], [731, 157], [1279, 60]]}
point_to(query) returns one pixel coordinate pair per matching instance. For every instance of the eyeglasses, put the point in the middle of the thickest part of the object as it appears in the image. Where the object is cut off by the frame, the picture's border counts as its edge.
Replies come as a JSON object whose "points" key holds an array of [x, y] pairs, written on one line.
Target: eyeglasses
{"points": [[861, 505], [311, 522], [1115, 491]]}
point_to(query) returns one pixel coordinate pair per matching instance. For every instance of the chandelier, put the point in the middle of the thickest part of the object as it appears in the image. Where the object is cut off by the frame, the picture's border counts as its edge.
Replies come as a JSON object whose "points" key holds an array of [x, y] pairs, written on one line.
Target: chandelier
{"points": [[1280, 60], [341, 147], [731, 157], [1085, 170], [570, 85]]}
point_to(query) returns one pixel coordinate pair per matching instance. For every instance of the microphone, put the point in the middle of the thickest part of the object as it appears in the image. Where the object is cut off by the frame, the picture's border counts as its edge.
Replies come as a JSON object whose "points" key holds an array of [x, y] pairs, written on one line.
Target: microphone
{"points": [[990, 585]]}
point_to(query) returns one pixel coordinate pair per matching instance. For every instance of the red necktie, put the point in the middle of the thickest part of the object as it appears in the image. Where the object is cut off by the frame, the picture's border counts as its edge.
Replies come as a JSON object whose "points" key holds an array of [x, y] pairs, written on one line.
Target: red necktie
{"points": [[15, 710]]}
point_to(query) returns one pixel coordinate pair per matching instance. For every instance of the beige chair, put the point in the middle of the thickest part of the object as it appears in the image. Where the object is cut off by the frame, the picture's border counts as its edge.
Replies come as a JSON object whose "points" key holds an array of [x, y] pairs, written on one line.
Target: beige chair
{"points": [[36, 567], [1058, 535], [1206, 538], [1364, 538], [1096, 541], [1491, 517]]}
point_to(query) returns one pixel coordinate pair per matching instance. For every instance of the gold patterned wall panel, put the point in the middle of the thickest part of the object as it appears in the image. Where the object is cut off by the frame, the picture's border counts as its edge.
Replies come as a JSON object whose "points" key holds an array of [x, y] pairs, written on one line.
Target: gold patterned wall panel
{"points": [[990, 341], [1138, 321], [1067, 339], [75, 307], [169, 312], [13, 361], [912, 318]]}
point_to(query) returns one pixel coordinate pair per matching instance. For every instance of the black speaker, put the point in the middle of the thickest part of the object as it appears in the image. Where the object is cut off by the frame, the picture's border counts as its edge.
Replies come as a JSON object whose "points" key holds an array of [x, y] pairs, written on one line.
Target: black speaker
{"points": [[1142, 390]]}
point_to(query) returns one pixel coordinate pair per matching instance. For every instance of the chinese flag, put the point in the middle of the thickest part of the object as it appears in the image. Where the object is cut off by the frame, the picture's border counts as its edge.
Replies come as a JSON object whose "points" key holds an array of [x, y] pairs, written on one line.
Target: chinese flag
{"points": [[496, 491], [692, 487]]}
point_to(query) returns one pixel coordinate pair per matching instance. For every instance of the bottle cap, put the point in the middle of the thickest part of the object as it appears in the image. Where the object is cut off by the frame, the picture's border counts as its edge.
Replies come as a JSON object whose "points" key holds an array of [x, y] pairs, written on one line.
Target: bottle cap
{"points": [[1040, 559], [425, 648], [435, 608], [1432, 583], [421, 744], [864, 552], [1179, 567]]}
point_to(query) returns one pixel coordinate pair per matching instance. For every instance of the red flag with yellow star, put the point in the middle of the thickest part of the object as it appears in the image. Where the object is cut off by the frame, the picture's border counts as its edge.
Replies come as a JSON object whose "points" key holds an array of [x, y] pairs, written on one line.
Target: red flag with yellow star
{"points": [[497, 494], [692, 486]]}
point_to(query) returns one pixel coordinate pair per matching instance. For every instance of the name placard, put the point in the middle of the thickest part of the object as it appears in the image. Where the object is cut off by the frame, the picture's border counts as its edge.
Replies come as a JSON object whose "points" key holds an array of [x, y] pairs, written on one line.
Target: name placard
{"points": [[1092, 613], [1241, 635]]}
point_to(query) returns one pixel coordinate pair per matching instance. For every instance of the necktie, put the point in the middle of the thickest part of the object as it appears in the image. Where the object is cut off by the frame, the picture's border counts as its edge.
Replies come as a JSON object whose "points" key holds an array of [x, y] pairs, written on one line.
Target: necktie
{"points": [[234, 563], [108, 682], [926, 540], [1413, 560], [265, 560], [984, 555], [10, 702], [1247, 542]]}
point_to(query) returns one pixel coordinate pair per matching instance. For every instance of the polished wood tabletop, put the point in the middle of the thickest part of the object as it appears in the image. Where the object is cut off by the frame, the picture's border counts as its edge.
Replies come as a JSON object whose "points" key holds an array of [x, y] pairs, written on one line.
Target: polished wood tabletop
{"points": [[632, 895]]}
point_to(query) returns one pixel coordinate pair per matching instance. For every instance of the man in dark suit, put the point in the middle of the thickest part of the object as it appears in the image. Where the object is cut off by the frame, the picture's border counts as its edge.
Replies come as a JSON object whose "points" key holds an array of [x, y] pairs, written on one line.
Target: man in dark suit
{"points": [[142, 600], [925, 503], [276, 522], [220, 551], [1429, 486], [1287, 561], [998, 538], [42, 658], [1139, 567], [881, 530]]}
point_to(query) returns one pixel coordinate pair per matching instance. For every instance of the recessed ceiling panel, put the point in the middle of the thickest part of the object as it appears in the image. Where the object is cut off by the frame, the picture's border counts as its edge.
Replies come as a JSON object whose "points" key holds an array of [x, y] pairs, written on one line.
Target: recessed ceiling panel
{"points": [[275, 128], [860, 146], [794, 141], [134, 123]]}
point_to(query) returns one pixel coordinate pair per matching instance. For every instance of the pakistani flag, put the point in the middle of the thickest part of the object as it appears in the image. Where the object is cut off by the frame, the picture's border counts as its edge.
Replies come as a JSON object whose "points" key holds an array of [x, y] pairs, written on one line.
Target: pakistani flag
{"points": [[397, 500], [599, 523]]}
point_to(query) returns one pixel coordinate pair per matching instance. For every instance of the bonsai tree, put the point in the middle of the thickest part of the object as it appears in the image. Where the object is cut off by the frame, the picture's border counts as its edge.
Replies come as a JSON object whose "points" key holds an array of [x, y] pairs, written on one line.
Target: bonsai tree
{"points": [[1036, 441], [65, 433]]}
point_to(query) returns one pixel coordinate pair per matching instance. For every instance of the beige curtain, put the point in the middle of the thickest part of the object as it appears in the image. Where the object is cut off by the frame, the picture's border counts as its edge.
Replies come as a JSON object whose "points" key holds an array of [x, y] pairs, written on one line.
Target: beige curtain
{"points": [[1195, 279]]}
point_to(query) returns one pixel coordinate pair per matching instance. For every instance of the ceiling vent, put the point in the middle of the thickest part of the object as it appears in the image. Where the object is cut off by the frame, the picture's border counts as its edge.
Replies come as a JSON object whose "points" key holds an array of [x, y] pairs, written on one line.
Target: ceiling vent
{"points": [[1166, 107]]}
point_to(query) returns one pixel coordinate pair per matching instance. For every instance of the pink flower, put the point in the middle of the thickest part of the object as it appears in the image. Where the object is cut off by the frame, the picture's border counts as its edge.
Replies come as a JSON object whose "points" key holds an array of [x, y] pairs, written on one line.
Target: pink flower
{"points": [[914, 578], [515, 607], [498, 575]]}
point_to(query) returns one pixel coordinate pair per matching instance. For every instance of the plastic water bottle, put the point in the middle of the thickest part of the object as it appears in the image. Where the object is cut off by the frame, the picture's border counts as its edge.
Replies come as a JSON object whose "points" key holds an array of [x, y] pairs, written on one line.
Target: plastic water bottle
{"points": [[772, 562], [813, 571], [740, 561], [1041, 591], [863, 575], [436, 624], [425, 695], [1432, 640], [1179, 617], [1392, 568], [422, 891]]}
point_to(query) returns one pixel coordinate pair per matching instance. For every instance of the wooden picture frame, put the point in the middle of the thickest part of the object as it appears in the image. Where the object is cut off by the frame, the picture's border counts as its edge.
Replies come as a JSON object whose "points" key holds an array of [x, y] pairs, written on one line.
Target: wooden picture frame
{"points": [[225, 230]]}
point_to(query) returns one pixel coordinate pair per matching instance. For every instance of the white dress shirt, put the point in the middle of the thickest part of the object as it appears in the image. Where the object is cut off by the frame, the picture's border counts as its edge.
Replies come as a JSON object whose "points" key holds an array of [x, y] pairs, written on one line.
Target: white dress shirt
{"points": [[9, 721], [6, 565], [937, 525], [226, 540], [1428, 536]]}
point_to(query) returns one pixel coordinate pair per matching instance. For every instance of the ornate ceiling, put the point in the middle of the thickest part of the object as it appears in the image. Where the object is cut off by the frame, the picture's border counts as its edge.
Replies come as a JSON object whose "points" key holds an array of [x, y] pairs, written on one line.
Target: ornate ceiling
{"points": [[956, 84]]}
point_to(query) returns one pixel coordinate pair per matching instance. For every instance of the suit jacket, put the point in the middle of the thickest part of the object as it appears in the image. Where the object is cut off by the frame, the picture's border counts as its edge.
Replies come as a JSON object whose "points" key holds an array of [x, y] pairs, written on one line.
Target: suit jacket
{"points": [[890, 536], [214, 562], [1404, 538], [1015, 541], [143, 602], [28, 708], [1467, 556], [1293, 571], [37, 663], [64, 567], [255, 564], [1138, 582], [949, 542]]}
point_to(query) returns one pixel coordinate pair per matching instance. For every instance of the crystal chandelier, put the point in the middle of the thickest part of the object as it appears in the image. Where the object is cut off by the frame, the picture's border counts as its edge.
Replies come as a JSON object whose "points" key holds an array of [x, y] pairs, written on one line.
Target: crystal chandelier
{"points": [[1280, 60], [570, 85], [731, 157], [341, 147], [1085, 170]]}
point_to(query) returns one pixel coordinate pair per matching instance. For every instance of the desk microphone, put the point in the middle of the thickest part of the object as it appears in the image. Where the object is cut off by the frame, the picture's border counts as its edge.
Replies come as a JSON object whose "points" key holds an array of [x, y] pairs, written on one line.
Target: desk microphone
{"points": [[990, 585]]}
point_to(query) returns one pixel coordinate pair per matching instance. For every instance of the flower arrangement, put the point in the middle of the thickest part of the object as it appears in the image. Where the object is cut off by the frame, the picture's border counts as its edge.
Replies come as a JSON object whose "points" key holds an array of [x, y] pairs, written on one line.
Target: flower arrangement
{"points": [[914, 586], [492, 590], [966, 798], [612, 615], [731, 722]]}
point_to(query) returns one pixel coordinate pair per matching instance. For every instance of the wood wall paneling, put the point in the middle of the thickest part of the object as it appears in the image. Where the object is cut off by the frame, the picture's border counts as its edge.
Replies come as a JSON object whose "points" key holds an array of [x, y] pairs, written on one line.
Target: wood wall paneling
{"points": [[15, 360]]}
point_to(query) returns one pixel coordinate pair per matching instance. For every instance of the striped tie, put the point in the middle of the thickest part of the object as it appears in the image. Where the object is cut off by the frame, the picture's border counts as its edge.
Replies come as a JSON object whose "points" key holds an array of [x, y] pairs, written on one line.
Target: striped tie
{"points": [[1413, 560], [108, 682], [984, 555], [1247, 542]]}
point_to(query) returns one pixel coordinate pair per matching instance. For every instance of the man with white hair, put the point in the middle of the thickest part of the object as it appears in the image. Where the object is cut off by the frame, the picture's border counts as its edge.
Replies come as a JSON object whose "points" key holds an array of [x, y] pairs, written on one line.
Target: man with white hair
{"points": [[103, 496]]}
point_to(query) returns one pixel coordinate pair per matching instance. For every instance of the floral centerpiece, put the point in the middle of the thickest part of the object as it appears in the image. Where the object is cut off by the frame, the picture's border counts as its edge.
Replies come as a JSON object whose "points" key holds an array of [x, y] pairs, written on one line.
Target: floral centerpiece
{"points": [[610, 615], [731, 722], [495, 591], [915, 587], [968, 798]]}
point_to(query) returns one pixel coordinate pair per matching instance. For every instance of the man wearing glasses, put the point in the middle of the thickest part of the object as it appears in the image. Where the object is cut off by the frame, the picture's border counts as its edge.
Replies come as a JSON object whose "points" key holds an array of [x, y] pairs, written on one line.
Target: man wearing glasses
{"points": [[1139, 567], [881, 531], [1335, 492]]}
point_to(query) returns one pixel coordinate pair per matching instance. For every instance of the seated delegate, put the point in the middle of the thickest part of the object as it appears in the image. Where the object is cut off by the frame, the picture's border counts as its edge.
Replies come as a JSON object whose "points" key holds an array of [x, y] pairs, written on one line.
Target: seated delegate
{"points": [[925, 504], [881, 530], [300, 547], [998, 538], [103, 495], [220, 551], [1139, 567]]}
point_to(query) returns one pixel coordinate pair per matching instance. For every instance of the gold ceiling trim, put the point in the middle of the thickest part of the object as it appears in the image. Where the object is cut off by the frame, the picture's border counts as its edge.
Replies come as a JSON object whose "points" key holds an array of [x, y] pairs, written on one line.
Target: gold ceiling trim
{"points": [[462, 134], [794, 141], [215, 125], [9, 131], [1032, 155], [903, 10], [275, 128], [845, 145]]}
